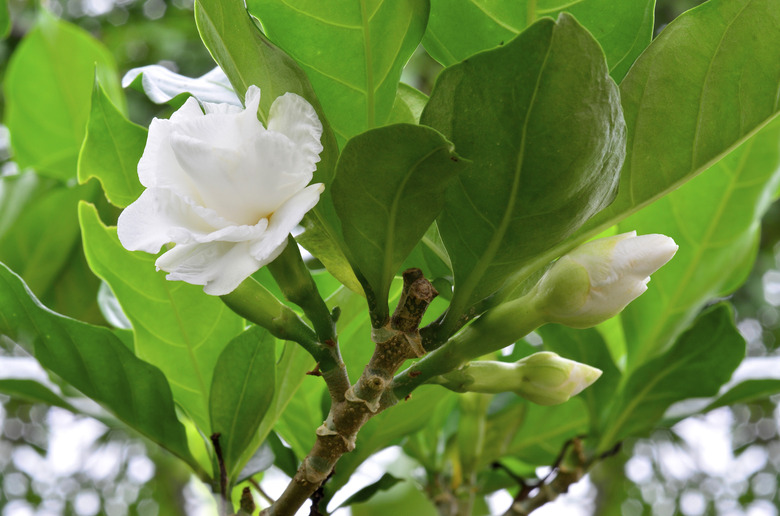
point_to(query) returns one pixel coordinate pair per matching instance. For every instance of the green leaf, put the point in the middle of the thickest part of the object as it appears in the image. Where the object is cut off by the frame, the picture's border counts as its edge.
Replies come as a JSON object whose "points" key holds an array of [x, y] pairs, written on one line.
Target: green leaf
{"points": [[715, 219], [702, 87], [247, 57], [94, 361], [32, 391], [242, 391], [746, 392], [699, 363], [390, 186], [177, 327], [533, 433], [47, 90], [111, 150], [353, 53], [408, 106], [386, 482], [459, 28], [5, 19], [328, 251], [540, 122], [42, 228], [290, 375], [587, 347]]}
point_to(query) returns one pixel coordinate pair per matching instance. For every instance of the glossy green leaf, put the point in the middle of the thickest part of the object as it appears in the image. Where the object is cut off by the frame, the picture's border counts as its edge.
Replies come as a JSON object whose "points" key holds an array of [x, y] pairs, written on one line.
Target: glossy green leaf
{"points": [[302, 415], [715, 219], [111, 150], [459, 28], [352, 51], [390, 186], [34, 392], [177, 327], [290, 376], [47, 90], [386, 482], [588, 347], [242, 391], [699, 363], [533, 433], [702, 87], [746, 392], [540, 124], [248, 57], [95, 362]]}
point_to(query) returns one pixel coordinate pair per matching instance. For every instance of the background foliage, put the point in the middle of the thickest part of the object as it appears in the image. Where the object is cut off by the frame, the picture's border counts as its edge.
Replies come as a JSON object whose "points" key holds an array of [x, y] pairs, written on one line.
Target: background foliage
{"points": [[50, 259]]}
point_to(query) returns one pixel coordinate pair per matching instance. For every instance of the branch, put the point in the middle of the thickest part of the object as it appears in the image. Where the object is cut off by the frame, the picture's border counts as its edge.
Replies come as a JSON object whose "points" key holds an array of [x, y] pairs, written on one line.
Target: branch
{"points": [[223, 481], [398, 341]]}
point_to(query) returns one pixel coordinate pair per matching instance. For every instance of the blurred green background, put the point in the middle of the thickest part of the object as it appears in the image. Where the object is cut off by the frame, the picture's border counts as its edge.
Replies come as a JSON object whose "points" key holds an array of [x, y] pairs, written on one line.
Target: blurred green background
{"points": [[52, 462]]}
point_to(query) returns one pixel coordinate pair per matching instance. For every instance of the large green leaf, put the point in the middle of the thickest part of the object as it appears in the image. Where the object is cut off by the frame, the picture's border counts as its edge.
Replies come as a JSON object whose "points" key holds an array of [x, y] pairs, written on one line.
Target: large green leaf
{"points": [[715, 219], [242, 391], [111, 150], [290, 375], [94, 361], [47, 91], [389, 187], [699, 363], [177, 327], [703, 86], [247, 57], [533, 433], [352, 50], [745, 392], [459, 28], [588, 347], [539, 120]]}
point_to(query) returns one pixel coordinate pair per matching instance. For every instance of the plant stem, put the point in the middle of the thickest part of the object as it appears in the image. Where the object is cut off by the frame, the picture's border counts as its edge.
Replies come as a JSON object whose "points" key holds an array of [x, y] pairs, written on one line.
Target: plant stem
{"points": [[494, 330], [398, 341], [225, 509]]}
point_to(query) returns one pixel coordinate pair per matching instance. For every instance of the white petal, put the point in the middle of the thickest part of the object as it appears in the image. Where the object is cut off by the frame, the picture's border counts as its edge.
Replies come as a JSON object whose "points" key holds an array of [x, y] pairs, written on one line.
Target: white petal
{"points": [[161, 85], [294, 117], [284, 220], [159, 216], [158, 166], [644, 254], [219, 266]]}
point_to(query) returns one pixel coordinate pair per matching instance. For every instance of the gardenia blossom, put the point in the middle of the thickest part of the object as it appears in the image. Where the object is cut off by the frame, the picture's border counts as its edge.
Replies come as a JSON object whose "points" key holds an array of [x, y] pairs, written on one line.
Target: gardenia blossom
{"points": [[223, 188], [598, 279]]}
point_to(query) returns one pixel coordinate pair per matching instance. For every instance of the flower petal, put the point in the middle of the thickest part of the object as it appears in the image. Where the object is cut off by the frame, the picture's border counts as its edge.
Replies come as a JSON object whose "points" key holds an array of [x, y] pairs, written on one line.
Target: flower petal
{"points": [[284, 220], [161, 85], [295, 118], [219, 266]]}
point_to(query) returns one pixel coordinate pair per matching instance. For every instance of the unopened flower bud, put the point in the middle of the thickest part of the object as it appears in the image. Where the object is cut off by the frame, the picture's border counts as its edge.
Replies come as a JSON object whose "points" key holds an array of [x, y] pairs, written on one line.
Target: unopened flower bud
{"points": [[598, 279], [543, 378]]}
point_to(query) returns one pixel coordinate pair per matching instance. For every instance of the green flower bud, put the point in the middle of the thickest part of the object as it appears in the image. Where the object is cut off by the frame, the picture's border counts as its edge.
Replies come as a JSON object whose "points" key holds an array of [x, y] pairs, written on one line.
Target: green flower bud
{"points": [[543, 378]]}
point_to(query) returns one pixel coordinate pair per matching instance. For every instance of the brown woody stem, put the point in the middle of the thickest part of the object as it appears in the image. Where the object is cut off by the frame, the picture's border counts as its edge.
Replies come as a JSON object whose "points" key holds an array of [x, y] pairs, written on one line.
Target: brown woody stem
{"points": [[353, 405]]}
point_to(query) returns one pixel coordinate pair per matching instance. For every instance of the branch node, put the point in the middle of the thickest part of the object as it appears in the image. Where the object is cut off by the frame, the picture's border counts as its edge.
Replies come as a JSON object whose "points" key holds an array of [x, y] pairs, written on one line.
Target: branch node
{"points": [[375, 383]]}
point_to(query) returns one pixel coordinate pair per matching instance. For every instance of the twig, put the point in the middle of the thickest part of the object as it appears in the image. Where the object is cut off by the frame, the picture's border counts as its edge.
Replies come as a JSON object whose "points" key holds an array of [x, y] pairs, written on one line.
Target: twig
{"points": [[222, 473], [260, 490], [353, 405]]}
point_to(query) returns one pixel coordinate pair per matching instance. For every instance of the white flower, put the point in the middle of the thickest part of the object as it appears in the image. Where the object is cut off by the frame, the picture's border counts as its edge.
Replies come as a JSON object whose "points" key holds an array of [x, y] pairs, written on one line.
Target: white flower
{"points": [[161, 85], [223, 188], [598, 279], [544, 378]]}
